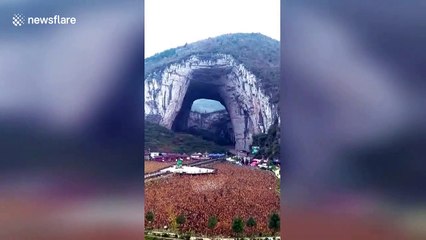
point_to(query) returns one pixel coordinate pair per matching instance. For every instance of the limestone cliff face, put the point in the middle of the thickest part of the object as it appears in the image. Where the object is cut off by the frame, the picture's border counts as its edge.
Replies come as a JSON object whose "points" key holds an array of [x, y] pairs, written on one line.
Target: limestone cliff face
{"points": [[215, 126], [169, 92], [207, 120]]}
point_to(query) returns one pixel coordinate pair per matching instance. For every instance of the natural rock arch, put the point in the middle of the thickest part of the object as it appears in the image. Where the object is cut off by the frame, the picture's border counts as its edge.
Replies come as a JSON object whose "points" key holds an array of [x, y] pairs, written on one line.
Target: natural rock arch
{"points": [[170, 92]]}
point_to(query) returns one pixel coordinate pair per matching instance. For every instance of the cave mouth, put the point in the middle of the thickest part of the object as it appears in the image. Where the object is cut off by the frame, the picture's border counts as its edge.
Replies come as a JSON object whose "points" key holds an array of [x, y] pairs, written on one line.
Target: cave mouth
{"points": [[206, 84], [171, 93], [205, 93]]}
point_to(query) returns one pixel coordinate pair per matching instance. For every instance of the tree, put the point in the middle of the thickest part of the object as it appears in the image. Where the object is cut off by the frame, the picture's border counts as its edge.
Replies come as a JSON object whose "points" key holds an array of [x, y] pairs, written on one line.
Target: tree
{"points": [[212, 223], [274, 223], [251, 223], [268, 142], [149, 217], [180, 220], [237, 225]]}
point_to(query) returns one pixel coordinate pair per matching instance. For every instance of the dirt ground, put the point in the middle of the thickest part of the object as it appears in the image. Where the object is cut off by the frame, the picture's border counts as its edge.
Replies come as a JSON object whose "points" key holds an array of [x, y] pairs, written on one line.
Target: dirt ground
{"points": [[153, 166]]}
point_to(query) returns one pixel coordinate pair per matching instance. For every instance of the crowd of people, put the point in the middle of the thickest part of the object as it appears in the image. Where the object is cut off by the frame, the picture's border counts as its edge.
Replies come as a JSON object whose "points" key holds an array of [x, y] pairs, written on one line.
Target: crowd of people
{"points": [[231, 192]]}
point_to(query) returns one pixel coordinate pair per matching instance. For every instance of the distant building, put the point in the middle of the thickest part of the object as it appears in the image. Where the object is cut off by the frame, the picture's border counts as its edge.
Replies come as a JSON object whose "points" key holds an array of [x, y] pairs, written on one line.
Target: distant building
{"points": [[200, 156], [168, 157]]}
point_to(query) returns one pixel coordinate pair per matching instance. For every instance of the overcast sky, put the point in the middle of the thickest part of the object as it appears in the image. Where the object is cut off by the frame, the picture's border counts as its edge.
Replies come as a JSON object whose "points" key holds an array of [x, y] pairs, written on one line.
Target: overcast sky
{"points": [[172, 23]]}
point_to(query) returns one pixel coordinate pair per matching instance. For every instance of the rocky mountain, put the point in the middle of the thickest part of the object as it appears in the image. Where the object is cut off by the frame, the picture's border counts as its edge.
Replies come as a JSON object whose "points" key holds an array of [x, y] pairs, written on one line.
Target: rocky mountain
{"points": [[241, 71], [214, 126]]}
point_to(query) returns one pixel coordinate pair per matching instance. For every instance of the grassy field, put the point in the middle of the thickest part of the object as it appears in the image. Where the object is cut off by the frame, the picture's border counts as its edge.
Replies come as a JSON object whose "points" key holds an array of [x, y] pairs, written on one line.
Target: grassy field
{"points": [[158, 138]]}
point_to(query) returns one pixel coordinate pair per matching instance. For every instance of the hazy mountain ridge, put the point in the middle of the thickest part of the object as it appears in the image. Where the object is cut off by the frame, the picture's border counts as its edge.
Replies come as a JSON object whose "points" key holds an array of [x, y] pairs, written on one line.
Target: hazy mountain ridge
{"points": [[258, 53]]}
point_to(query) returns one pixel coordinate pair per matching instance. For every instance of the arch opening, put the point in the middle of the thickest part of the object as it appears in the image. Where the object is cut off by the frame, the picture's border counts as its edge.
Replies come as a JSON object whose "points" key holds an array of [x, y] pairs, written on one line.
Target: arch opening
{"points": [[171, 92], [213, 124]]}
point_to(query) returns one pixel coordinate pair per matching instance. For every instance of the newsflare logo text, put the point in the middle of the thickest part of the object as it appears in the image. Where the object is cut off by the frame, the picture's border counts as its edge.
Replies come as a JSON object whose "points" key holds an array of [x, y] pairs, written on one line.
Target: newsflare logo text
{"points": [[19, 20]]}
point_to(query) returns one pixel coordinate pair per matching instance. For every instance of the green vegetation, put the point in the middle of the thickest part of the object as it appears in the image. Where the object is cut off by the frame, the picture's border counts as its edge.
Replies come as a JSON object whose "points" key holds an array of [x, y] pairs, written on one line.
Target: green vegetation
{"points": [[238, 226], [274, 223], [180, 219], [165, 54], [150, 237], [269, 142], [212, 222], [278, 186], [251, 222], [159, 138], [186, 237], [149, 217], [259, 54], [165, 235]]}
